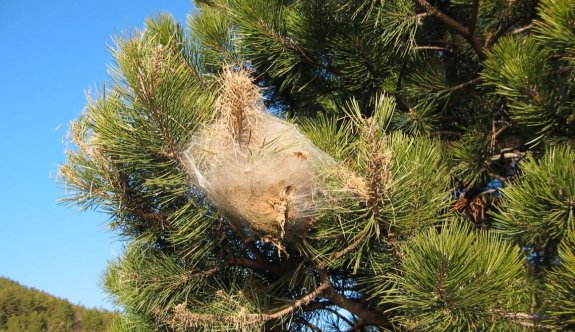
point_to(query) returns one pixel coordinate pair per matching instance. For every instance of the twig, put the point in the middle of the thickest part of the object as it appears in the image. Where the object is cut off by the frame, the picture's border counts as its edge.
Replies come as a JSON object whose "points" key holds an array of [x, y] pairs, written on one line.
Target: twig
{"points": [[368, 316], [499, 33], [521, 29], [150, 101], [501, 130], [152, 217], [285, 41], [335, 312], [254, 264], [347, 249], [472, 82], [312, 327], [433, 48], [491, 40], [465, 32], [473, 16], [303, 301], [508, 155], [524, 319], [189, 319]]}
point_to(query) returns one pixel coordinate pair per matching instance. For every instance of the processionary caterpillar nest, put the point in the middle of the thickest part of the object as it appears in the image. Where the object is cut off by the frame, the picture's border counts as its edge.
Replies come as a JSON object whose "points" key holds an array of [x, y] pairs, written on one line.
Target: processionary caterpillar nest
{"points": [[265, 176]]}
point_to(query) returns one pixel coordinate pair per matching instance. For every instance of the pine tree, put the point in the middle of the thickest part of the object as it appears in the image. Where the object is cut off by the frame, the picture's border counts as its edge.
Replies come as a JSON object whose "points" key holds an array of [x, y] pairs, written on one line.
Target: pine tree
{"points": [[25, 309], [440, 139]]}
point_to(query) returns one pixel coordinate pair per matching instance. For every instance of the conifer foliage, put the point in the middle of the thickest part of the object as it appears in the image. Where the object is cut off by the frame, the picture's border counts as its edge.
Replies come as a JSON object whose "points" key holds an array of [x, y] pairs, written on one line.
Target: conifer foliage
{"points": [[31, 310], [439, 194]]}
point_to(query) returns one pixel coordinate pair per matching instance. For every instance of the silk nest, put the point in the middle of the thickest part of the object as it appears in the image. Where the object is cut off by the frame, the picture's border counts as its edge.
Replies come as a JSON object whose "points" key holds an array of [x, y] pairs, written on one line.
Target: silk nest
{"points": [[267, 178]]}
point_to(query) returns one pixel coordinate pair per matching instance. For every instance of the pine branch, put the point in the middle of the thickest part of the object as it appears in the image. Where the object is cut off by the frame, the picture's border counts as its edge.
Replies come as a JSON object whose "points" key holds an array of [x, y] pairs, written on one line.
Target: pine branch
{"points": [[339, 315], [311, 326], [368, 316], [197, 75], [499, 33], [303, 301], [254, 264], [433, 48], [521, 29], [148, 93], [153, 218], [133, 205], [216, 4], [463, 85], [465, 32], [181, 316], [284, 41], [473, 16], [508, 155], [317, 305], [347, 249], [525, 319], [261, 262]]}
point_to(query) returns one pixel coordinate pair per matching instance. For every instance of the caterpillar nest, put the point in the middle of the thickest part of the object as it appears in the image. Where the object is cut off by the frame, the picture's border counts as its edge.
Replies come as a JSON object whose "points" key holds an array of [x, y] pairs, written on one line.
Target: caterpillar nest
{"points": [[266, 177]]}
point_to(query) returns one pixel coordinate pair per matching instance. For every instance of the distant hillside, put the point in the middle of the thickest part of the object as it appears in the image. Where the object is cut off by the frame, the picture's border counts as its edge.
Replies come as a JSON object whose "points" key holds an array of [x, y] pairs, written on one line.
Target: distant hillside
{"points": [[25, 309]]}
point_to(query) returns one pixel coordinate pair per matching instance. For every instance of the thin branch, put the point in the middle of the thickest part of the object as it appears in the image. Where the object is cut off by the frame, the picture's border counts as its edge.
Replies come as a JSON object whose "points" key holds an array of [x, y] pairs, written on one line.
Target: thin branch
{"points": [[499, 33], [215, 4], [133, 203], [292, 45], [491, 40], [521, 29], [465, 32], [317, 305], [501, 130], [287, 42], [303, 301], [259, 256], [473, 16], [189, 319], [157, 116], [472, 82], [209, 272], [195, 71], [347, 249], [254, 264], [433, 48], [446, 133], [152, 217], [342, 317], [181, 317], [508, 155], [524, 319], [311, 326], [368, 316]]}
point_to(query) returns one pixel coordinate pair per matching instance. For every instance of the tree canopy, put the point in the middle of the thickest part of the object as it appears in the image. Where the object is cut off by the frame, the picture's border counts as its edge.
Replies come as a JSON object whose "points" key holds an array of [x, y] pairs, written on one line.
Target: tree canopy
{"points": [[440, 188], [25, 309]]}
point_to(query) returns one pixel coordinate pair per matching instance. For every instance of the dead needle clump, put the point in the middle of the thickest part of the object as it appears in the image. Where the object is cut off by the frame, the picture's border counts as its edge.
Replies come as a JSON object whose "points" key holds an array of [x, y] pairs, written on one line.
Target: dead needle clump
{"points": [[262, 173]]}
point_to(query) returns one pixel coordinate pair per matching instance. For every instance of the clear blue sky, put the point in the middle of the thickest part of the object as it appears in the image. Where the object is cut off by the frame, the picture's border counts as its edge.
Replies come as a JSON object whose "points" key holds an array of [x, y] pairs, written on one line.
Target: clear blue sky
{"points": [[51, 52]]}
